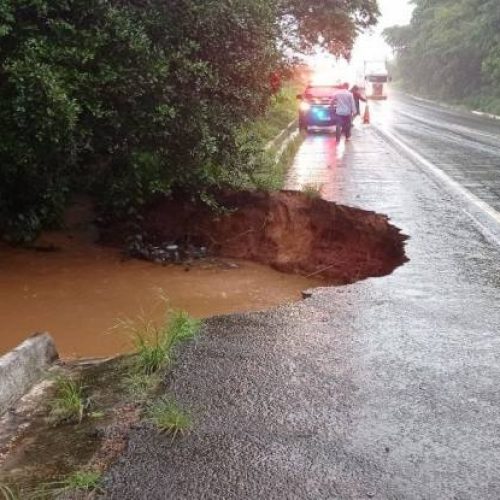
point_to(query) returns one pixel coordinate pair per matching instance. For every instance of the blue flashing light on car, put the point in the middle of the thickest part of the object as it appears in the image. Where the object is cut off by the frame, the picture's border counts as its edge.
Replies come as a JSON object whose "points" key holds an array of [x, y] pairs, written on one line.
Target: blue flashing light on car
{"points": [[322, 113], [317, 107]]}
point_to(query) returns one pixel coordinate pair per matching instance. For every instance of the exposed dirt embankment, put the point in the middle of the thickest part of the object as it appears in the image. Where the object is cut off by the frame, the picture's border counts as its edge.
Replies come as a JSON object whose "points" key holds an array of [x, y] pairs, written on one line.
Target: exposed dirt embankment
{"points": [[288, 230]]}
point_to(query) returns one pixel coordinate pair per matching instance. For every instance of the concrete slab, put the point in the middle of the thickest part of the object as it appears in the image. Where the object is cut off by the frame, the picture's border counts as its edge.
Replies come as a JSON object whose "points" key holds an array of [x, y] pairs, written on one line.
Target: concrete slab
{"points": [[23, 367]]}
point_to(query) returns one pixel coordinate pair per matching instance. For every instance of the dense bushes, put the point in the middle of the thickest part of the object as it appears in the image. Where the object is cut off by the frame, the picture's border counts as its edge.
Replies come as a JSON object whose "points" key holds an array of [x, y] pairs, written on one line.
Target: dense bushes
{"points": [[127, 98], [451, 50]]}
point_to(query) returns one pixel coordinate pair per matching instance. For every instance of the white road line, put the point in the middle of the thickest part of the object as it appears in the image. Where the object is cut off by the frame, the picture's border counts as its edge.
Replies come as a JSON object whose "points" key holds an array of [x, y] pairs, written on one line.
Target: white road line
{"points": [[451, 183], [488, 115], [486, 232], [450, 126]]}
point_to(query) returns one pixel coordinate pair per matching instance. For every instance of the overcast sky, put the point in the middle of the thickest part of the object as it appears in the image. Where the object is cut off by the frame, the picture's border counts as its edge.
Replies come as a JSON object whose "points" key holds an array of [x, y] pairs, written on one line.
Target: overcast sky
{"points": [[394, 12], [371, 45]]}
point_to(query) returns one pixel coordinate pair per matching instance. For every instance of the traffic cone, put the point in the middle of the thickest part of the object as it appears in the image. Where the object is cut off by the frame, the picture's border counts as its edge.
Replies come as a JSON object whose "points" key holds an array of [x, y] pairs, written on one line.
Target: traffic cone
{"points": [[366, 116]]}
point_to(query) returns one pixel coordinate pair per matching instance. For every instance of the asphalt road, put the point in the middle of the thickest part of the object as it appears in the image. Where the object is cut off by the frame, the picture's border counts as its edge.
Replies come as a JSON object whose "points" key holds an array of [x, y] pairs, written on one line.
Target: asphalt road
{"points": [[463, 145], [388, 388]]}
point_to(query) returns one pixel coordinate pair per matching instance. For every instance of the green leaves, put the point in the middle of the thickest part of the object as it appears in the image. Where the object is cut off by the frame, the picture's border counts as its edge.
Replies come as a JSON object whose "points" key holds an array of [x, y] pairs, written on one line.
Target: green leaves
{"points": [[451, 48], [332, 23], [129, 99]]}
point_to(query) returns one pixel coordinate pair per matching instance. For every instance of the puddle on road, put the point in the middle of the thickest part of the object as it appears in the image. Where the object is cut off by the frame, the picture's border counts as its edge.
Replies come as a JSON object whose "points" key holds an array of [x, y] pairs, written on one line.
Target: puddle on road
{"points": [[79, 292]]}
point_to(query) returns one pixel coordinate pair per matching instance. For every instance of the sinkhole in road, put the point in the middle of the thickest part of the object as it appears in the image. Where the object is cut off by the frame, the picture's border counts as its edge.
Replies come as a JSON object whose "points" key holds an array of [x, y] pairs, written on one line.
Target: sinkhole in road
{"points": [[263, 250], [78, 291], [290, 231]]}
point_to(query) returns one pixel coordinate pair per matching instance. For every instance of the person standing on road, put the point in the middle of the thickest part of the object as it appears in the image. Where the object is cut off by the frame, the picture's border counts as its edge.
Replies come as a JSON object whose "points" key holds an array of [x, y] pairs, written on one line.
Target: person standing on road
{"points": [[345, 109], [356, 93]]}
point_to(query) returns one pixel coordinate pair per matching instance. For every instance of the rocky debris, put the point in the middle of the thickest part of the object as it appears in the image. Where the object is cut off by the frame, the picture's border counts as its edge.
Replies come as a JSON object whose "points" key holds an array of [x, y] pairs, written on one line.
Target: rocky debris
{"points": [[163, 253]]}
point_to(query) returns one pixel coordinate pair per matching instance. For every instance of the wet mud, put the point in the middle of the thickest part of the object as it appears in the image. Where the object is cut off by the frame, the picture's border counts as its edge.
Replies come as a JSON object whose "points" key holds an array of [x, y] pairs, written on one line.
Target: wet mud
{"points": [[81, 292], [34, 451]]}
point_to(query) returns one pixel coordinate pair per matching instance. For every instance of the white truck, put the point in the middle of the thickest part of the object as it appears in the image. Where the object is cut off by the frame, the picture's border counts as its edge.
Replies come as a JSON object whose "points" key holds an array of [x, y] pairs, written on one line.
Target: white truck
{"points": [[376, 79]]}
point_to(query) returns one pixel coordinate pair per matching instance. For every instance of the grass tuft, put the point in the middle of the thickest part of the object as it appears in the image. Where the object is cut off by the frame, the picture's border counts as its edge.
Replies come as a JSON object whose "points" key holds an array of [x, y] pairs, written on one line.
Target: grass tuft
{"points": [[155, 343], [169, 418], [84, 482], [182, 327], [140, 386], [69, 402], [152, 352], [8, 492], [312, 191]]}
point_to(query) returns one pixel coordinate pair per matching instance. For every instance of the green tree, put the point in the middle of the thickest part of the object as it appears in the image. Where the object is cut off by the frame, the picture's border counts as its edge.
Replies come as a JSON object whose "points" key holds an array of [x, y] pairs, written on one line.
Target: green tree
{"points": [[127, 99], [332, 23], [451, 49]]}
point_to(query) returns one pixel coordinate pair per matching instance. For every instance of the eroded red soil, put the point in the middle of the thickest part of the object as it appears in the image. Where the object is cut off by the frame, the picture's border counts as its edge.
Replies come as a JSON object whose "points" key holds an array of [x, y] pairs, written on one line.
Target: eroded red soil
{"points": [[290, 231]]}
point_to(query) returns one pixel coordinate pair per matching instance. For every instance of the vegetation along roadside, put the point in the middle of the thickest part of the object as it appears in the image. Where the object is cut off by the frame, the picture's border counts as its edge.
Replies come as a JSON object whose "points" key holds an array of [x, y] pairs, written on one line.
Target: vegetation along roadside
{"points": [[128, 101], [87, 409], [451, 52]]}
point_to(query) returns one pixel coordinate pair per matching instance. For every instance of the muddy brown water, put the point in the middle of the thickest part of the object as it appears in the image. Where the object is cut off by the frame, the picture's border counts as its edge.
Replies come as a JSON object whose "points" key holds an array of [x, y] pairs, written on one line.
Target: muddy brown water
{"points": [[79, 293]]}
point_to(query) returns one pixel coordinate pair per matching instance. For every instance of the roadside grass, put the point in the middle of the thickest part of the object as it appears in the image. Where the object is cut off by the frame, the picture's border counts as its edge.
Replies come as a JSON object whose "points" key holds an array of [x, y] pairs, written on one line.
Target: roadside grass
{"points": [[483, 101], [155, 343], [8, 492], [69, 403], [85, 481], [272, 175], [270, 171], [169, 417], [152, 349], [80, 482], [312, 191], [281, 113], [140, 385]]}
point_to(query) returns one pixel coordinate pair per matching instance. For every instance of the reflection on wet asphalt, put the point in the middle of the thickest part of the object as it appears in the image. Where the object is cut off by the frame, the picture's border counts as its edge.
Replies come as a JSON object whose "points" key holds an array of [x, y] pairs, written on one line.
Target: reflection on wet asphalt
{"points": [[465, 146], [426, 341], [316, 164], [383, 389]]}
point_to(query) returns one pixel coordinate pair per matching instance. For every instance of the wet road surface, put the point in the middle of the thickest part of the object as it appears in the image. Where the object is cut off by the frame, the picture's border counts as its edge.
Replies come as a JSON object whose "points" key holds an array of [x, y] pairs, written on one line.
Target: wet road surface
{"points": [[464, 146], [383, 389]]}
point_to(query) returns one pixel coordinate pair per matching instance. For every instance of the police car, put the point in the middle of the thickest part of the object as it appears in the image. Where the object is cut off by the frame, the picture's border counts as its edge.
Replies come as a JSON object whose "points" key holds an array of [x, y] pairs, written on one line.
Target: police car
{"points": [[317, 107]]}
